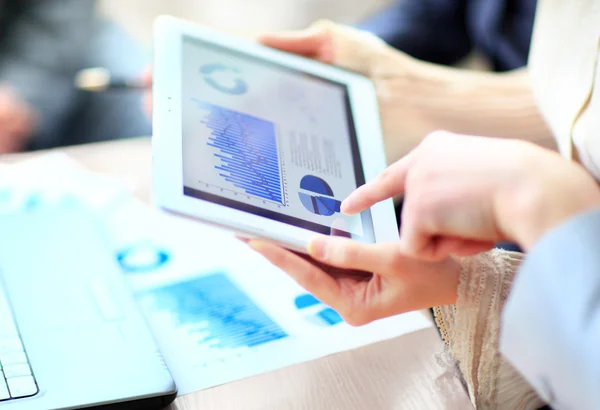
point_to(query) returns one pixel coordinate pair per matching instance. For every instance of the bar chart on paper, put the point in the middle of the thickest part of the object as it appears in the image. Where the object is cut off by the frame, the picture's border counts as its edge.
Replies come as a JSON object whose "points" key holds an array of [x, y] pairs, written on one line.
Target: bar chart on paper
{"points": [[211, 316], [247, 149]]}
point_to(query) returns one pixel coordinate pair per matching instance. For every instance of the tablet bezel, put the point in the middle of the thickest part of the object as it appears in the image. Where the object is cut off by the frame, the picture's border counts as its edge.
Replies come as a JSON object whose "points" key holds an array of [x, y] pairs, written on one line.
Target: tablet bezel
{"points": [[167, 134]]}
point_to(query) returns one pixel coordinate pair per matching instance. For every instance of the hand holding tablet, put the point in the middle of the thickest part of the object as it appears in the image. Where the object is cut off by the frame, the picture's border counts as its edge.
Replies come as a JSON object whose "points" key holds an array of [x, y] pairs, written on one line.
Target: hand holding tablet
{"points": [[262, 142], [398, 284]]}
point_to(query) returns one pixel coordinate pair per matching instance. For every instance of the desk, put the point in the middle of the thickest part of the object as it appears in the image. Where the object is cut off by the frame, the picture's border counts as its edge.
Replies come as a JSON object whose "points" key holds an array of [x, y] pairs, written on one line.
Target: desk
{"points": [[401, 373]]}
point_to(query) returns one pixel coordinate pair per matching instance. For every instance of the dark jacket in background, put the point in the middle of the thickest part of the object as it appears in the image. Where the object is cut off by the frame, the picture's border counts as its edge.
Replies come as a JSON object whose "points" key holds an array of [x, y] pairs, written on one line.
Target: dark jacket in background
{"points": [[42, 45], [445, 31]]}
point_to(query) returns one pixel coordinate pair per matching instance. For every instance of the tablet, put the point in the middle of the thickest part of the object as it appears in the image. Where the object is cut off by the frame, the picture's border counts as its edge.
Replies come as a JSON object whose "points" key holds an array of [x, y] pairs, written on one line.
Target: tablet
{"points": [[262, 142]]}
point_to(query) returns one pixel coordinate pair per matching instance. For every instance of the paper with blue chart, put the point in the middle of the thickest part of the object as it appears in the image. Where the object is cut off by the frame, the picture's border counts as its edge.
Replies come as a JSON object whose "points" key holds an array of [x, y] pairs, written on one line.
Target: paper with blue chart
{"points": [[219, 312]]}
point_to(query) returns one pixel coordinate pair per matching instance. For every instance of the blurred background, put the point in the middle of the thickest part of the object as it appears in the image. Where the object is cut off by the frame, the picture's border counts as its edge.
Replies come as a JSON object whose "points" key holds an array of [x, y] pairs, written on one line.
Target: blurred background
{"points": [[45, 44], [137, 15]]}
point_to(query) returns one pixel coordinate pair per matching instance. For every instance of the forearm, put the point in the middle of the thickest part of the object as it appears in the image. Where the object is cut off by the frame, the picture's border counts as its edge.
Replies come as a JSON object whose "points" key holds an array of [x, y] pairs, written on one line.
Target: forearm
{"points": [[481, 103], [427, 97]]}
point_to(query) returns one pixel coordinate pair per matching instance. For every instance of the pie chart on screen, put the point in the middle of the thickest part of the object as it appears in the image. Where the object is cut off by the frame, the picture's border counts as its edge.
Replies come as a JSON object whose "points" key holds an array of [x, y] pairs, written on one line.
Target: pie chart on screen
{"points": [[317, 196]]}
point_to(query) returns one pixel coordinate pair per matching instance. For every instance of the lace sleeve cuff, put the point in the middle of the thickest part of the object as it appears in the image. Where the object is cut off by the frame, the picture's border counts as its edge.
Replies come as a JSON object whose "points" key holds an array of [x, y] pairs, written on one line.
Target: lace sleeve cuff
{"points": [[471, 330]]}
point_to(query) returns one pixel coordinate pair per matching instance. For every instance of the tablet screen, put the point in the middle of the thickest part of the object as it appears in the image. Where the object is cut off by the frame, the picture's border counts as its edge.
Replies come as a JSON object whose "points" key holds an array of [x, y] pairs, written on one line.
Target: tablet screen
{"points": [[269, 140]]}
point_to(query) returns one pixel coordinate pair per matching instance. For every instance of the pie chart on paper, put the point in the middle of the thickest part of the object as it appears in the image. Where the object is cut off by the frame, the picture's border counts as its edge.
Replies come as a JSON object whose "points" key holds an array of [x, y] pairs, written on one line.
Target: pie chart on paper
{"points": [[317, 196], [316, 312]]}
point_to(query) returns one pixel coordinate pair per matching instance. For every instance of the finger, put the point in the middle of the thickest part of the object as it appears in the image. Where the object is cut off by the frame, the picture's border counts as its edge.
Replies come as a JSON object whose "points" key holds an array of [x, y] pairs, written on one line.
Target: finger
{"points": [[460, 247], [339, 274], [421, 247], [8, 143], [146, 76], [415, 240], [6, 110], [314, 280], [315, 43], [23, 122], [349, 254], [147, 103], [389, 184], [5, 144]]}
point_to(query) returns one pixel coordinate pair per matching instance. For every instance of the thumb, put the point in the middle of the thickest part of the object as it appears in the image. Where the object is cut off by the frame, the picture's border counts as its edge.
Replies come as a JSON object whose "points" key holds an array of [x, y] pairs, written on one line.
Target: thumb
{"points": [[352, 255], [146, 76], [314, 42], [450, 246]]}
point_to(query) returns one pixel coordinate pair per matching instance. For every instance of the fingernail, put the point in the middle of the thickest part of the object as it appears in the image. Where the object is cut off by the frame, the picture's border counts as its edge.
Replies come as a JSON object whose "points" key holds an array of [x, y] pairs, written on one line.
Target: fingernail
{"points": [[317, 248], [347, 205], [256, 245]]}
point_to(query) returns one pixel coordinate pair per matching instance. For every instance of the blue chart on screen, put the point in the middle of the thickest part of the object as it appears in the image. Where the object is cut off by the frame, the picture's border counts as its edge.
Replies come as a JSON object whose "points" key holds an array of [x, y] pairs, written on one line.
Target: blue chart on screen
{"points": [[318, 204], [217, 312], [247, 148], [316, 312], [234, 86]]}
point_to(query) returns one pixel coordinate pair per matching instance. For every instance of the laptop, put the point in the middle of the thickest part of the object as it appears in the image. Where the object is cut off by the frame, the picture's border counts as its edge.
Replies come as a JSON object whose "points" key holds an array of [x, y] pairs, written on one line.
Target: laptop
{"points": [[71, 335]]}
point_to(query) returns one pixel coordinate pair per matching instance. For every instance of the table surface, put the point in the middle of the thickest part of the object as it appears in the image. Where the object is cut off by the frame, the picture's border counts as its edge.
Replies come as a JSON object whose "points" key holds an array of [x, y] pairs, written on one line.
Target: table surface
{"points": [[400, 373]]}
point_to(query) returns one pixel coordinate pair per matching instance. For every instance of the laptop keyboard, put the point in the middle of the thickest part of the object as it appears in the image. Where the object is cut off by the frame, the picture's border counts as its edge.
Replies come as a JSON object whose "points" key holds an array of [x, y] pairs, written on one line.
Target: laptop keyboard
{"points": [[16, 377]]}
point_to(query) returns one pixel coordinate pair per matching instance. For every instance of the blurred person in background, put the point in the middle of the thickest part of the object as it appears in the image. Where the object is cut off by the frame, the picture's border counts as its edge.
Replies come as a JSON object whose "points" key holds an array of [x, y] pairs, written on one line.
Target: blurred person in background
{"points": [[43, 44], [447, 31]]}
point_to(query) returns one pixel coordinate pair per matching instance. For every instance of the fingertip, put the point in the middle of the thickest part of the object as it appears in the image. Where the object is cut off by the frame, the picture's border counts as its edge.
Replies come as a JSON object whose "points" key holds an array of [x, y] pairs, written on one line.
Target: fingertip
{"points": [[346, 208], [282, 36], [259, 245], [349, 206], [316, 248], [416, 249], [266, 38], [310, 43], [146, 75], [242, 239]]}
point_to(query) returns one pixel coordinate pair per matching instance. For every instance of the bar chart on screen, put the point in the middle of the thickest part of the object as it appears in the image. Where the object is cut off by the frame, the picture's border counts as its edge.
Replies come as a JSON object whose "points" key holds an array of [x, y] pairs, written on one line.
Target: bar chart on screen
{"points": [[246, 148]]}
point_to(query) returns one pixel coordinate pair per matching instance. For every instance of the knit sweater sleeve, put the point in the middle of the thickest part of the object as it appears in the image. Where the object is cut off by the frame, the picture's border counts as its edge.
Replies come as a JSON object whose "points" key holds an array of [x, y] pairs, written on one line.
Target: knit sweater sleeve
{"points": [[471, 330]]}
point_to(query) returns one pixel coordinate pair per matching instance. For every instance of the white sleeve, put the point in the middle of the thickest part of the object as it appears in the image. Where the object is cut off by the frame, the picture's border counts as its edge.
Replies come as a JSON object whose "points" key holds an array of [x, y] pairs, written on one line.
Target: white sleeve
{"points": [[551, 324]]}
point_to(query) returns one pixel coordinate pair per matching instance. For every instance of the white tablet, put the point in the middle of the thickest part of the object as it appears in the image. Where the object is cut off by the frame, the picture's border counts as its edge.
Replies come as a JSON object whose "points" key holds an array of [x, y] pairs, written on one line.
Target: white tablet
{"points": [[262, 142]]}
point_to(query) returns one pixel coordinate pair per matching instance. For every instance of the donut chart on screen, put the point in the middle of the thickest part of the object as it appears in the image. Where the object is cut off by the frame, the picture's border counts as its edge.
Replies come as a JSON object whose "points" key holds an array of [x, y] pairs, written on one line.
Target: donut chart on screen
{"points": [[214, 74], [317, 196]]}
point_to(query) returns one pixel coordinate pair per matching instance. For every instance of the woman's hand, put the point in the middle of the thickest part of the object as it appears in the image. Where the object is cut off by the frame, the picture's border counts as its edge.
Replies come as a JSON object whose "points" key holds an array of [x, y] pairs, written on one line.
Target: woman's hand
{"points": [[416, 97], [146, 78], [336, 44], [396, 76], [17, 122], [336, 276], [462, 194]]}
